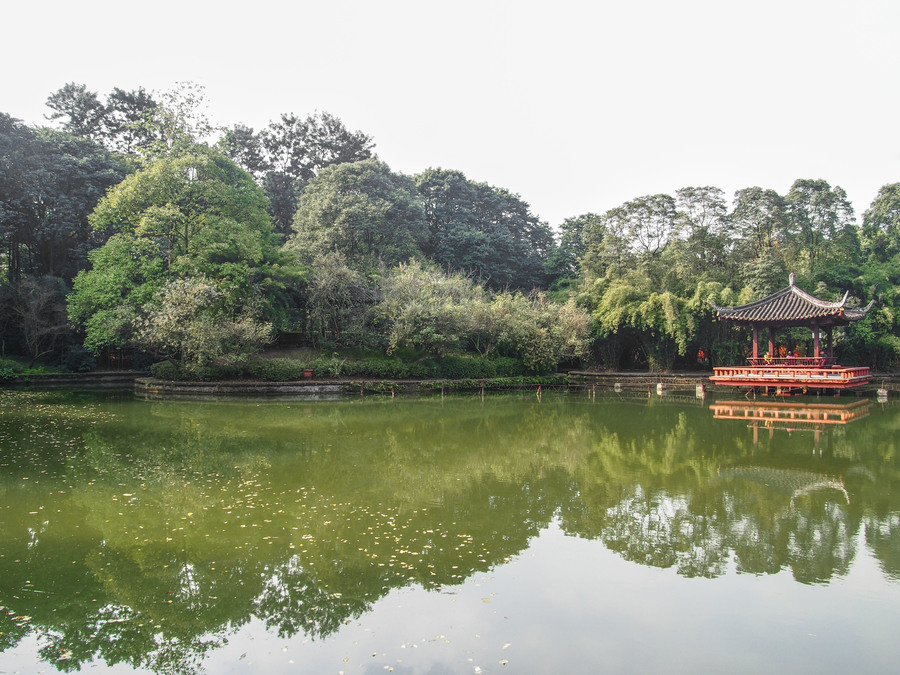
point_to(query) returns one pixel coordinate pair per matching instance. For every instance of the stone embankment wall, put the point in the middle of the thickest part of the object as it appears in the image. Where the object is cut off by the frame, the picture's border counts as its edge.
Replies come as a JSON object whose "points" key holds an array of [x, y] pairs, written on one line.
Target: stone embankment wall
{"points": [[94, 380], [158, 389], [149, 388]]}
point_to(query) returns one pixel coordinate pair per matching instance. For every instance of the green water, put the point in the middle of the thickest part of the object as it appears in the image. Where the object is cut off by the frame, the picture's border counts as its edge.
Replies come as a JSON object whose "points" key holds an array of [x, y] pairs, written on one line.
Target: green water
{"points": [[444, 535]]}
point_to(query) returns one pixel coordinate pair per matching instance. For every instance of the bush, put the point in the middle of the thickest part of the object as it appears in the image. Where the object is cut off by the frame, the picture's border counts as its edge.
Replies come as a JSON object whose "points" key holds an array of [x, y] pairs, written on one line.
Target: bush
{"points": [[211, 373], [78, 359], [165, 370], [9, 369], [275, 370], [451, 367]]}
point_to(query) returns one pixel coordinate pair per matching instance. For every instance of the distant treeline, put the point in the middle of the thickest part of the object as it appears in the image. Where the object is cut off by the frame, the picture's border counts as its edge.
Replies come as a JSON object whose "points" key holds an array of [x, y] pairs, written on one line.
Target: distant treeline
{"points": [[136, 224]]}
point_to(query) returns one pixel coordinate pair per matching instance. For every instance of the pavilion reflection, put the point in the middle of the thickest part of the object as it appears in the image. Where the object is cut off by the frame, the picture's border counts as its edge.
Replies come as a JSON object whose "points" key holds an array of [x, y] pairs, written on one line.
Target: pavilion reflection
{"points": [[791, 417]]}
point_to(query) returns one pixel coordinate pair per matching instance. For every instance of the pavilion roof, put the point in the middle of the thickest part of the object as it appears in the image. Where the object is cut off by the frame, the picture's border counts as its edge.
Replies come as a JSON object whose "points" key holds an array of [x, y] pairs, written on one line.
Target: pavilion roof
{"points": [[792, 306]]}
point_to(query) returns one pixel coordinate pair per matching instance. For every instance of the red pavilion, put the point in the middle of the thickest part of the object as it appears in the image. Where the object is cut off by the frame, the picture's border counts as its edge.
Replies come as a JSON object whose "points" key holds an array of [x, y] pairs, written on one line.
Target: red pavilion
{"points": [[791, 307]]}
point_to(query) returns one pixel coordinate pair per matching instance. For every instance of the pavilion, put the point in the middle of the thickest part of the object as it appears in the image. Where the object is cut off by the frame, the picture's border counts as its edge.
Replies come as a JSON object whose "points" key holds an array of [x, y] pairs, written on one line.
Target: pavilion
{"points": [[792, 307]]}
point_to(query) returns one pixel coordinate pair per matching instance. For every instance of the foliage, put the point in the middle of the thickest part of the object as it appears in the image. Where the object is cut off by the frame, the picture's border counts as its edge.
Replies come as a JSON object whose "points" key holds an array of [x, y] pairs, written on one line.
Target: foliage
{"points": [[37, 306], [821, 228], [192, 216], [563, 260], [538, 331], [78, 359], [759, 221], [9, 369], [881, 224], [363, 210], [166, 370], [338, 298], [118, 124], [126, 273], [424, 308], [49, 183], [483, 230], [275, 370], [289, 152], [188, 320], [345, 278]]}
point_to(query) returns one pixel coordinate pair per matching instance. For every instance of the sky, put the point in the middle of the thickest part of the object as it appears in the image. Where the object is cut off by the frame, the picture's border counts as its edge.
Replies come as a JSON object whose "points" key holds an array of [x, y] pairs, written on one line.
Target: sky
{"points": [[575, 106]]}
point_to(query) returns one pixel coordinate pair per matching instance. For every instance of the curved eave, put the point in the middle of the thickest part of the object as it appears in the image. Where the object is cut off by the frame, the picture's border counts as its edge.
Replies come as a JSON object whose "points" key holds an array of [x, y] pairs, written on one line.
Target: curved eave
{"points": [[792, 306]]}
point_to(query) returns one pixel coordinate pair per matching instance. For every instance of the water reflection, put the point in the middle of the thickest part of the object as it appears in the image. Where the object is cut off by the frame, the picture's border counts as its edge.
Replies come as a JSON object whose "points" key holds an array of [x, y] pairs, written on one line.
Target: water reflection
{"points": [[147, 533]]}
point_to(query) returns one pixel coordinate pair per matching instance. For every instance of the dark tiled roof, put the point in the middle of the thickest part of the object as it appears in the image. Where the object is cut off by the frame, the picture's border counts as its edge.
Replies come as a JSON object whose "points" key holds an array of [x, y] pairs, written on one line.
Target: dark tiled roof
{"points": [[792, 306]]}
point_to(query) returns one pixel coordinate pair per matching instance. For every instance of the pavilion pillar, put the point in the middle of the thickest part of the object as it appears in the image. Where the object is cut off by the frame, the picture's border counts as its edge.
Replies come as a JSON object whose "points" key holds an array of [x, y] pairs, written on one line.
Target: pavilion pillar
{"points": [[830, 342], [817, 352], [755, 341], [772, 341]]}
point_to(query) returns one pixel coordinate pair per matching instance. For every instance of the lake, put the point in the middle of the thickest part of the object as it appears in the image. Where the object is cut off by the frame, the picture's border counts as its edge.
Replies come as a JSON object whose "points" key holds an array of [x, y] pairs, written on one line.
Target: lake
{"points": [[501, 534]]}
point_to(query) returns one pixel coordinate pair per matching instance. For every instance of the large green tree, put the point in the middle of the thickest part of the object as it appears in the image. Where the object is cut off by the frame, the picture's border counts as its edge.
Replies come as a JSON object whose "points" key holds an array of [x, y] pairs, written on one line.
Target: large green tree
{"points": [[119, 123], [193, 216], [49, 183], [881, 224], [821, 226], [572, 245], [362, 210], [704, 240], [483, 230], [289, 152]]}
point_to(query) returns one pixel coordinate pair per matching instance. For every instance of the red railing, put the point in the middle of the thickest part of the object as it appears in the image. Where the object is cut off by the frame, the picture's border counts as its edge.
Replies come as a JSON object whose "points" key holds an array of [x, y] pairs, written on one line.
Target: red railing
{"points": [[835, 377], [793, 361]]}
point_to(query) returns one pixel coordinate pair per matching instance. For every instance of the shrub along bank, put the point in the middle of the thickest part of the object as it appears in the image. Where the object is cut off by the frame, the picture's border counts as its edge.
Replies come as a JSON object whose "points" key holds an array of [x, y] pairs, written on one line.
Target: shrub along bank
{"points": [[449, 367]]}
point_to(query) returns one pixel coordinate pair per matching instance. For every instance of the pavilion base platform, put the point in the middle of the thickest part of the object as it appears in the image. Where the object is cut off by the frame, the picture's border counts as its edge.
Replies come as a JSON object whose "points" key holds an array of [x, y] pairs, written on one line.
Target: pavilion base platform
{"points": [[786, 380]]}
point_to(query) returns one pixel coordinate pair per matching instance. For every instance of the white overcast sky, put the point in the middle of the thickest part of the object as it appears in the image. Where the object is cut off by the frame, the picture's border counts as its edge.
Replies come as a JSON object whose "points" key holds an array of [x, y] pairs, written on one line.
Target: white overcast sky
{"points": [[575, 106]]}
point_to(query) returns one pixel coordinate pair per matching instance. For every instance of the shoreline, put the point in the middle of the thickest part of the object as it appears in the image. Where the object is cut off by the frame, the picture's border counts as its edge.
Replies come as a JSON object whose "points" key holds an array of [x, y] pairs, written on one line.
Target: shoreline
{"points": [[329, 388]]}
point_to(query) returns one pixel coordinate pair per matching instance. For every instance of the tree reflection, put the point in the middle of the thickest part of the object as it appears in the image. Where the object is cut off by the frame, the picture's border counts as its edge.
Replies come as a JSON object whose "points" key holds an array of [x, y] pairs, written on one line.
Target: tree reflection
{"points": [[147, 533]]}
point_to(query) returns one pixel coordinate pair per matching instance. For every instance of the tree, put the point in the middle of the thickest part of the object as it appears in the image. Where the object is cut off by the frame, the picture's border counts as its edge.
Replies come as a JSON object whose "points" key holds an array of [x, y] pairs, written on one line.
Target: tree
{"points": [[425, 308], [188, 320], [124, 128], [338, 298], [881, 224], [289, 152], [107, 299], [243, 146], [758, 220], [193, 216], [177, 125], [119, 124], [540, 332], [134, 122], [483, 230], [821, 225], [606, 247], [650, 223], [81, 110], [38, 309], [657, 319], [49, 183], [574, 233], [364, 211], [703, 241]]}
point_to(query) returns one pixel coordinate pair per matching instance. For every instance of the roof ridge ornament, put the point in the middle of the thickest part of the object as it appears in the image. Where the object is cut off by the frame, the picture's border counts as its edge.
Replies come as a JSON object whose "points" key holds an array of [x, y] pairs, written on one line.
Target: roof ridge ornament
{"points": [[791, 279]]}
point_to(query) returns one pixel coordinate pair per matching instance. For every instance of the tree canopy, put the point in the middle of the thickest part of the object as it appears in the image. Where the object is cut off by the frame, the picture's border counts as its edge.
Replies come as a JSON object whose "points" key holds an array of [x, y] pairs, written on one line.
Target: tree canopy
{"points": [[483, 230], [158, 220], [362, 210], [289, 152], [195, 216], [49, 183]]}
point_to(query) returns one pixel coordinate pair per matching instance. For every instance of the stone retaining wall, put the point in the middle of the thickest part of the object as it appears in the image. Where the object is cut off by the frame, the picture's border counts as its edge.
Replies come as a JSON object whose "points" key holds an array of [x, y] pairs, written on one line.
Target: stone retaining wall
{"points": [[148, 388]]}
